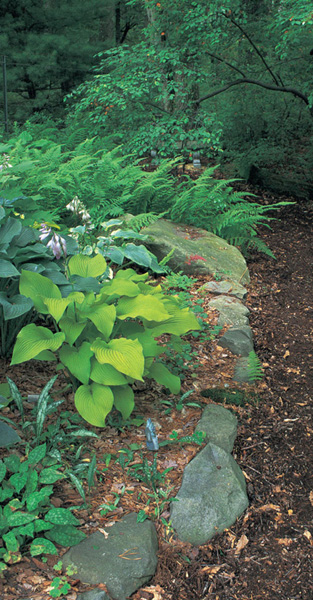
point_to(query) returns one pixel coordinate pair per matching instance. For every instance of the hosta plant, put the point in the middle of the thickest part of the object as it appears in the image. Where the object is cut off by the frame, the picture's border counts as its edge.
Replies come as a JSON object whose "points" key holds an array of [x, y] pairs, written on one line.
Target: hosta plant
{"points": [[20, 248], [104, 340], [27, 517]]}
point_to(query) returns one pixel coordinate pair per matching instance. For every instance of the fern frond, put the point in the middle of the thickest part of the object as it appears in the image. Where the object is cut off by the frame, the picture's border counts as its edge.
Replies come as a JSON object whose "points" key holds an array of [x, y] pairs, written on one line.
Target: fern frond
{"points": [[254, 367], [143, 220]]}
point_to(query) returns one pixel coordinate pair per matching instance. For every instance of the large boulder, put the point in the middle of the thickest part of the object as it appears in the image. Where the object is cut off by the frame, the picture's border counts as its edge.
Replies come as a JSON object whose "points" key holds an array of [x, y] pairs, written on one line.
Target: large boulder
{"points": [[211, 497], [217, 257], [123, 556]]}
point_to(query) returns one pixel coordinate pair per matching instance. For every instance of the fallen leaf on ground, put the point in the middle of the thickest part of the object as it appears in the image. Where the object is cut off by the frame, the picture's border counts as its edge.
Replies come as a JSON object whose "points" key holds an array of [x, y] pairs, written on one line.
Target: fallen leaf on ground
{"points": [[266, 507], [156, 591], [211, 570], [284, 541], [241, 544], [311, 497], [308, 536]]}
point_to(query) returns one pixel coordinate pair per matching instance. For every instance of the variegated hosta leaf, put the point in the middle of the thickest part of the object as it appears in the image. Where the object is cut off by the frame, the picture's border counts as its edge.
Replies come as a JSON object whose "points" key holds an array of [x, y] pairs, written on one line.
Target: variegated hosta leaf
{"points": [[146, 307], [163, 376], [71, 328], [103, 317], [32, 340], [37, 287], [77, 361], [124, 400], [106, 374], [94, 402], [125, 355], [85, 266]]}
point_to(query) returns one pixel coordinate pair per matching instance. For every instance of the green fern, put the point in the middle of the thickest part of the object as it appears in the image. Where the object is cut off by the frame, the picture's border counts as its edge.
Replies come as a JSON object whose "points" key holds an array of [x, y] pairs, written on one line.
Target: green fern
{"points": [[254, 367], [213, 205], [143, 220]]}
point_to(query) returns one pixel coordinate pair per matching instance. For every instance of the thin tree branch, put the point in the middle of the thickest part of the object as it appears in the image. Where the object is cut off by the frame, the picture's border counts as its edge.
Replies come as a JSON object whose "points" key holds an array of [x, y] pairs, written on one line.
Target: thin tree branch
{"points": [[227, 16], [225, 62], [267, 86]]}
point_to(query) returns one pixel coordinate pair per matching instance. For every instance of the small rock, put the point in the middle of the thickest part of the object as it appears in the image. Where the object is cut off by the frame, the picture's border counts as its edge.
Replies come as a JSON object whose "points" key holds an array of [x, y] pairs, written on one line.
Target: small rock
{"points": [[220, 426], [238, 340], [8, 436], [95, 594], [232, 288], [242, 372], [123, 557], [212, 496], [231, 311]]}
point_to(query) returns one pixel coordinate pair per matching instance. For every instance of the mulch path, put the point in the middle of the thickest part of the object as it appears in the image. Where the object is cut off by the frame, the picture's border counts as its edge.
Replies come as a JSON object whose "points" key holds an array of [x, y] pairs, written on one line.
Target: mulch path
{"points": [[267, 553]]}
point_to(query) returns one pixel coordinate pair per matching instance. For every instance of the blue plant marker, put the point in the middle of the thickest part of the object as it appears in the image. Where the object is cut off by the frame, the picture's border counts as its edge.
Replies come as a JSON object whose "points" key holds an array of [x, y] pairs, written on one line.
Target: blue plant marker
{"points": [[152, 438]]}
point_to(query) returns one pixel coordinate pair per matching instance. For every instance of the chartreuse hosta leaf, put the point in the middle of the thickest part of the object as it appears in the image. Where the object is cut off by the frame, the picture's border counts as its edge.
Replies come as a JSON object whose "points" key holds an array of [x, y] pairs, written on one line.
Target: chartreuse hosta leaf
{"points": [[57, 306], [37, 287], [94, 402], [32, 340], [120, 287], [77, 361], [149, 345], [181, 320], [71, 328], [124, 400], [103, 317], [85, 266], [147, 307], [125, 355], [163, 376], [106, 374], [131, 274]]}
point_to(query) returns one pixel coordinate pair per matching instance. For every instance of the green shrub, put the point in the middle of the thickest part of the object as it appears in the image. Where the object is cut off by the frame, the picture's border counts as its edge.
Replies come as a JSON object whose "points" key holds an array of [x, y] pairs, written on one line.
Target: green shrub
{"points": [[26, 511], [105, 341]]}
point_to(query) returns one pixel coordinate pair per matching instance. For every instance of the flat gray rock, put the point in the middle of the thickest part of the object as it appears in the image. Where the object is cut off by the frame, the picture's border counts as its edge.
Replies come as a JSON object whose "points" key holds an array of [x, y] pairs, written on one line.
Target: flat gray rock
{"points": [[242, 372], [231, 311], [8, 436], [220, 426], [95, 594], [123, 558], [187, 242], [211, 498], [239, 340], [232, 288]]}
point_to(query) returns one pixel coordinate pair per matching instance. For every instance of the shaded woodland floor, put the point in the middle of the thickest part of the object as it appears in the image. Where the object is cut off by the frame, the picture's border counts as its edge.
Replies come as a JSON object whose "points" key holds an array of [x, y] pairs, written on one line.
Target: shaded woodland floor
{"points": [[267, 554]]}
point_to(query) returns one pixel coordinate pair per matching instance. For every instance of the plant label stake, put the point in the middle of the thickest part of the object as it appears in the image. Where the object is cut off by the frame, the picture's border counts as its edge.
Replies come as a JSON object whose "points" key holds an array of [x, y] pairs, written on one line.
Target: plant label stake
{"points": [[152, 438]]}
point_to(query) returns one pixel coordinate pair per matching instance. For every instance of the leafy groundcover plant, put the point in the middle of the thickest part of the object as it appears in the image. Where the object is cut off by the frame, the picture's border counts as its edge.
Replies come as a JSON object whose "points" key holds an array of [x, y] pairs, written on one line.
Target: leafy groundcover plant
{"points": [[105, 341], [26, 512]]}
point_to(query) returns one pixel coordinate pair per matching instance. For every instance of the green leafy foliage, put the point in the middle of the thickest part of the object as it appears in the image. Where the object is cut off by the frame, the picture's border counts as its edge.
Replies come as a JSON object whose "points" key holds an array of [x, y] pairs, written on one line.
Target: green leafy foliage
{"points": [[20, 248], [254, 367], [26, 509], [111, 240], [106, 340], [213, 204]]}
